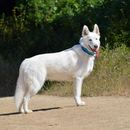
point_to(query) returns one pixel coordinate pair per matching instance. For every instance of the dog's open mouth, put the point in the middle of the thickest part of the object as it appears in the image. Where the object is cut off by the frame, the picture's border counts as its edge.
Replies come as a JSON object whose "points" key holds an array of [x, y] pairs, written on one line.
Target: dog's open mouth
{"points": [[92, 49]]}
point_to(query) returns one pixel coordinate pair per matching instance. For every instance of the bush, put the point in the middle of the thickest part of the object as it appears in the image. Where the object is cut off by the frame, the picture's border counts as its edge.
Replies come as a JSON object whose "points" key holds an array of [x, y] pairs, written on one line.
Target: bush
{"points": [[112, 73], [37, 24], [111, 76]]}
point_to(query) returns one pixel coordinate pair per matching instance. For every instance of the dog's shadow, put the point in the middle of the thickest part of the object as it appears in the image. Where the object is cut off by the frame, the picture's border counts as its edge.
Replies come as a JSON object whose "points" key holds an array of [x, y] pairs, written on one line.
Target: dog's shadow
{"points": [[35, 110]]}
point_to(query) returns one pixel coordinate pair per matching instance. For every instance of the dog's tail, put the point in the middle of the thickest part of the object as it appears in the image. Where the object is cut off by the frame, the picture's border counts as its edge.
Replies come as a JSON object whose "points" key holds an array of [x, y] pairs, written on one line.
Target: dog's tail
{"points": [[19, 93]]}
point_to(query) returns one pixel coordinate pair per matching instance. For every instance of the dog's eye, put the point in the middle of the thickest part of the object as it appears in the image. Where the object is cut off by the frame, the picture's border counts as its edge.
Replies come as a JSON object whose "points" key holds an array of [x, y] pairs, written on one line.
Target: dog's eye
{"points": [[90, 40], [96, 39]]}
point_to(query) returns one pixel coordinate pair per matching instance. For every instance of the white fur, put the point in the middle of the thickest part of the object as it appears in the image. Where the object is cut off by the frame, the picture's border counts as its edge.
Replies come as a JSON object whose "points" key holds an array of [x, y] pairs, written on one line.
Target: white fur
{"points": [[69, 65]]}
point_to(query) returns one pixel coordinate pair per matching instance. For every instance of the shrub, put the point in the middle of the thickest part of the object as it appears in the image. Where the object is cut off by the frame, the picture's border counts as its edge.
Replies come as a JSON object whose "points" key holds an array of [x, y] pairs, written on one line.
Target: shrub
{"points": [[111, 76]]}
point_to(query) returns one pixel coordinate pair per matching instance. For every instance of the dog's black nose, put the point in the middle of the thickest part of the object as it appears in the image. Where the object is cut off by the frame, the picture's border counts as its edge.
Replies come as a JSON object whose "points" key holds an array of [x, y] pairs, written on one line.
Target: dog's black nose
{"points": [[95, 46]]}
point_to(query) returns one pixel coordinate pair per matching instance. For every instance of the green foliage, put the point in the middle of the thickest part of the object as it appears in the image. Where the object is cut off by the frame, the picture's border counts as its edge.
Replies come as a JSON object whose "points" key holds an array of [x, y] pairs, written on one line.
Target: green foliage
{"points": [[117, 15], [36, 24]]}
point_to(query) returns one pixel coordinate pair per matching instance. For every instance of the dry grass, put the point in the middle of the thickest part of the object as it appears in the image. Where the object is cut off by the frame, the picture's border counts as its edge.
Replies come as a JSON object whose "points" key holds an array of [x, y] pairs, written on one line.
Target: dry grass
{"points": [[111, 76]]}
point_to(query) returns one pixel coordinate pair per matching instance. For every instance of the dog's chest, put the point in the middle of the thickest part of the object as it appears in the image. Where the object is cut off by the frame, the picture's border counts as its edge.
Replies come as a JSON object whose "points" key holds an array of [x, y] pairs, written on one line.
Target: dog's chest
{"points": [[85, 67], [89, 67]]}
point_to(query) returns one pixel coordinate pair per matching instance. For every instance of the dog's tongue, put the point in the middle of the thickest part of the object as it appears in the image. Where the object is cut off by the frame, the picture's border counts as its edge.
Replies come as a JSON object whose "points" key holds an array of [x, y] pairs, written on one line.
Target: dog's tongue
{"points": [[97, 54], [96, 51]]}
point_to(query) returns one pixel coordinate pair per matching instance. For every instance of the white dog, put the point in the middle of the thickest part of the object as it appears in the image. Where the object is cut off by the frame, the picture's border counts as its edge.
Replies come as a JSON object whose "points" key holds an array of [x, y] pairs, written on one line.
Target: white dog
{"points": [[73, 64]]}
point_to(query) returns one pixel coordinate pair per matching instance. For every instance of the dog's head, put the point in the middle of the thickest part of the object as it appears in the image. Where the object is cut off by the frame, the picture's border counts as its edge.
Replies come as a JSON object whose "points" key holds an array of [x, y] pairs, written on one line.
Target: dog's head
{"points": [[90, 40]]}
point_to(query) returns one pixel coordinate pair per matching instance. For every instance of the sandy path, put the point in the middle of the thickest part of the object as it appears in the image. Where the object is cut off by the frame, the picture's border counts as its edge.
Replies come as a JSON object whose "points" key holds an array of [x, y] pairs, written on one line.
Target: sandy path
{"points": [[60, 113]]}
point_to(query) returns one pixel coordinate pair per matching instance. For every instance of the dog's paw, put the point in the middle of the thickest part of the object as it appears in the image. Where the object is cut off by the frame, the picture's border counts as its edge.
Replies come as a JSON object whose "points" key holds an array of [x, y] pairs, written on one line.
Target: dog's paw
{"points": [[21, 111], [82, 103], [28, 111]]}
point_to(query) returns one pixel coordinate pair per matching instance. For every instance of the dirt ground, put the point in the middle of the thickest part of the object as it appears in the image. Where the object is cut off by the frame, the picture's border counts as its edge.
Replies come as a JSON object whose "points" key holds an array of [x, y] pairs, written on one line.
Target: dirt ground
{"points": [[60, 113]]}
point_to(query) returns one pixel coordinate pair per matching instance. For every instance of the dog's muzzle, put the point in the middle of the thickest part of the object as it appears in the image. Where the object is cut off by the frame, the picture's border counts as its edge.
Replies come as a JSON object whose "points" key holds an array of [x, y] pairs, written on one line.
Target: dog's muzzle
{"points": [[91, 51]]}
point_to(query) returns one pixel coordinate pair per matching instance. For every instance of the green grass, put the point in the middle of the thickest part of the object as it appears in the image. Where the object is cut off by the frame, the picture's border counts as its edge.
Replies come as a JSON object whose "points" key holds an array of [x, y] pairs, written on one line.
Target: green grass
{"points": [[111, 76]]}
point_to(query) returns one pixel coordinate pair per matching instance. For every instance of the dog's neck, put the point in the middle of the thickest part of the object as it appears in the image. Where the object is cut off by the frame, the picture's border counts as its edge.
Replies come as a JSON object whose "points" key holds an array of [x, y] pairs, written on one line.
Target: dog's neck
{"points": [[87, 51]]}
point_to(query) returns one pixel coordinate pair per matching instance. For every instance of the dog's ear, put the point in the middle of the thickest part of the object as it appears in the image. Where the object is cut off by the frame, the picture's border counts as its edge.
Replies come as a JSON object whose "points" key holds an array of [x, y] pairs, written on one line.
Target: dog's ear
{"points": [[96, 29], [85, 31]]}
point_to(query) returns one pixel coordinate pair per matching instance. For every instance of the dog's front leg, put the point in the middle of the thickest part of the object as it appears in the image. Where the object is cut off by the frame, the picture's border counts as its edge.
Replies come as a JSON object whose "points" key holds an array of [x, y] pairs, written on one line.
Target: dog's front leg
{"points": [[77, 91]]}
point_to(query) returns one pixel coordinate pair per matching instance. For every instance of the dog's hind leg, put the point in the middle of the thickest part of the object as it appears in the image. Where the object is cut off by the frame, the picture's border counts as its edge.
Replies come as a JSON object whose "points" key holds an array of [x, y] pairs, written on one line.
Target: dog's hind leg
{"points": [[34, 84], [32, 90], [25, 103]]}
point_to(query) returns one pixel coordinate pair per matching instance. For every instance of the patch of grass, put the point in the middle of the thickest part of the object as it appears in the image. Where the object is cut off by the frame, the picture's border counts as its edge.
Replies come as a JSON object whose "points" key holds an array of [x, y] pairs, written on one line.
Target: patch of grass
{"points": [[111, 76], [57, 88]]}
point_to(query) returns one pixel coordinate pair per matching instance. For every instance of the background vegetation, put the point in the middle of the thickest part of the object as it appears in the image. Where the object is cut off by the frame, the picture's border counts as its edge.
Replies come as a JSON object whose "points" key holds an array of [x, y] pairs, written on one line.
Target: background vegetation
{"points": [[30, 27]]}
